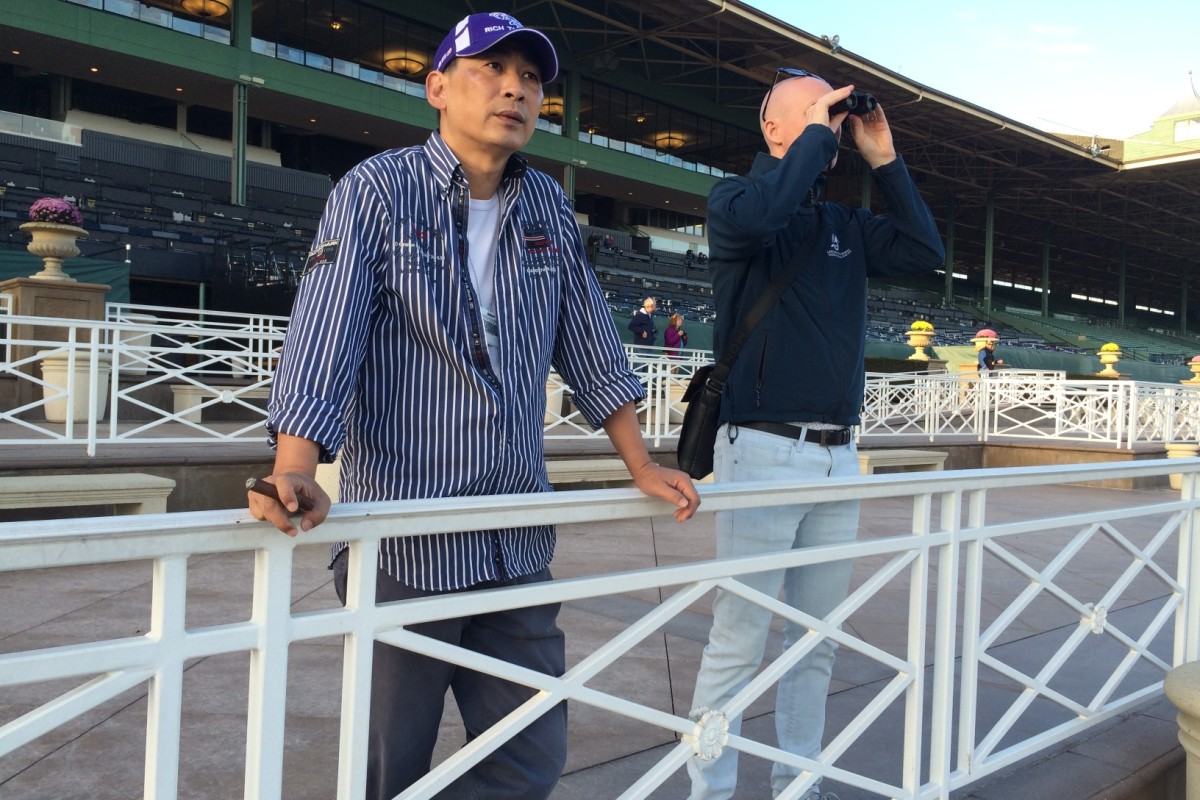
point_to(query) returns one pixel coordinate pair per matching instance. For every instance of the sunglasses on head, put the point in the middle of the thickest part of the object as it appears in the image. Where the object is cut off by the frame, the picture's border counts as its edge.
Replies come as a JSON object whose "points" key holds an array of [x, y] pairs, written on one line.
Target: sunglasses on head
{"points": [[782, 74]]}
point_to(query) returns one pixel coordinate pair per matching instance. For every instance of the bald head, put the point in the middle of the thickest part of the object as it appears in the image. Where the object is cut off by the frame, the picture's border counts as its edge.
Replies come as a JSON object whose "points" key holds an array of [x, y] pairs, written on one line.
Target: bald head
{"points": [[784, 113]]}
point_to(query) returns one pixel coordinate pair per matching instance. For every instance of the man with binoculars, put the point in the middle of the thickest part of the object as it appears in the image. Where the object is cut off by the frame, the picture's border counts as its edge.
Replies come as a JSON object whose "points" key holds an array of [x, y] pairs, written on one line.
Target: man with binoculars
{"points": [[795, 391]]}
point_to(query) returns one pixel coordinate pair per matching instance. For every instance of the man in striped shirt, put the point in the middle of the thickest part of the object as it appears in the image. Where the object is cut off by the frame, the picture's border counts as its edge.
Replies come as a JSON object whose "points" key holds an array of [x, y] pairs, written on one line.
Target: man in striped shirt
{"points": [[444, 282]]}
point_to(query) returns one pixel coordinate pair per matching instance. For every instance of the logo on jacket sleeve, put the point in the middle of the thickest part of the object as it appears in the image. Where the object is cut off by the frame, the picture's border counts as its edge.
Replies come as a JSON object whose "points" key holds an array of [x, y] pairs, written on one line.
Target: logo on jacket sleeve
{"points": [[835, 250], [322, 253]]}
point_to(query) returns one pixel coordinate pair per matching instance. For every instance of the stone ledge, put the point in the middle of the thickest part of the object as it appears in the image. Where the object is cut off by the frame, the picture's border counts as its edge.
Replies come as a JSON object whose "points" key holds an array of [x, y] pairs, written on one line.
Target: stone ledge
{"points": [[129, 492]]}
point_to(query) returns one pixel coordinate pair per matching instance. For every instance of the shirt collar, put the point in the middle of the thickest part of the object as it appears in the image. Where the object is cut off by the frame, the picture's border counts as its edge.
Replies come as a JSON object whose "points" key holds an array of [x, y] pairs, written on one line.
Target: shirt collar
{"points": [[448, 171]]}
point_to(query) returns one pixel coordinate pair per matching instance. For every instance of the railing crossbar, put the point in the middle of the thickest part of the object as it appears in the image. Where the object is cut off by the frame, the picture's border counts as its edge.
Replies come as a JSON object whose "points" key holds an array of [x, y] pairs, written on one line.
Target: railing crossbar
{"points": [[67, 706]]}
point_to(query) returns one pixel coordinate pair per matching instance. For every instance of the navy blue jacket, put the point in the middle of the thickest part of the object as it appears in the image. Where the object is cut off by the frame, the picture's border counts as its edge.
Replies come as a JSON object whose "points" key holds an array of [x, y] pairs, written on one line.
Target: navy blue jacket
{"points": [[643, 323], [804, 362]]}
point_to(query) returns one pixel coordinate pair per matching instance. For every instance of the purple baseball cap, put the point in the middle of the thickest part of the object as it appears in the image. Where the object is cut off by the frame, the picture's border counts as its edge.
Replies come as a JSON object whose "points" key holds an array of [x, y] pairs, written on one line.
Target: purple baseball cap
{"points": [[478, 33]]}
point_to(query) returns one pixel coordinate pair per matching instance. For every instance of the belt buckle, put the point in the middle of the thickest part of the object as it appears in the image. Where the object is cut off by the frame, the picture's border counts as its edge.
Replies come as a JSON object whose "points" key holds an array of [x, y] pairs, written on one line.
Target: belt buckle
{"points": [[832, 438]]}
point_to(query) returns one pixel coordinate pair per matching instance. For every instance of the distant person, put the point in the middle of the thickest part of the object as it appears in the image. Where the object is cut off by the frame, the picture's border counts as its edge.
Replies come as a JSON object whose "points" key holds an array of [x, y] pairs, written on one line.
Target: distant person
{"points": [[987, 357], [985, 344], [448, 279], [675, 337], [645, 333]]}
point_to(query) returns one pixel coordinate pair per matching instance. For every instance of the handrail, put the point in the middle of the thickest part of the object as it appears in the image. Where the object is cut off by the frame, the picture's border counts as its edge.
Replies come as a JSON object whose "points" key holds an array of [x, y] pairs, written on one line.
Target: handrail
{"points": [[943, 548]]}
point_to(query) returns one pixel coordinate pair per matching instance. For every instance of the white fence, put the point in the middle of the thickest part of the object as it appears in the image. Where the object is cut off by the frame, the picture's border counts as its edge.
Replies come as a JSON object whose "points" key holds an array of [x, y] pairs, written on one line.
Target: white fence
{"points": [[178, 375], [959, 568]]}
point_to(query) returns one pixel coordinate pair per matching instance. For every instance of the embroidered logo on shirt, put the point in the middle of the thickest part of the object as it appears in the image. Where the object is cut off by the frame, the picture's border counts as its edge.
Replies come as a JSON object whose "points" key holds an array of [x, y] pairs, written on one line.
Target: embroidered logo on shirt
{"points": [[540, 254], [321, 254], [418, 249], [835, 248]]}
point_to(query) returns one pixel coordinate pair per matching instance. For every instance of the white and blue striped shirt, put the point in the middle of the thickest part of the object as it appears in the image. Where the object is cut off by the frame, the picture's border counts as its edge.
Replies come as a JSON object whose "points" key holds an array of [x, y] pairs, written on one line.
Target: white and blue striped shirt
{"points": [[385, 356]]}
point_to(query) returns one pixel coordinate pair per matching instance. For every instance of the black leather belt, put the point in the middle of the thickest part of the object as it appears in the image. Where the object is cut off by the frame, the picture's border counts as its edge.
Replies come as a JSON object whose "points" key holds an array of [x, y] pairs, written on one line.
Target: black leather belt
{"points": [[826, 438]]}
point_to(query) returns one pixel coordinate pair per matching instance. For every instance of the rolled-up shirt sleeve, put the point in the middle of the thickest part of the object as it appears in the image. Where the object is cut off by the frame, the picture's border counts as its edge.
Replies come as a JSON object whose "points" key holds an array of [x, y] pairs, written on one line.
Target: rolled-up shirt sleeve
{"points": [[588, 352]]}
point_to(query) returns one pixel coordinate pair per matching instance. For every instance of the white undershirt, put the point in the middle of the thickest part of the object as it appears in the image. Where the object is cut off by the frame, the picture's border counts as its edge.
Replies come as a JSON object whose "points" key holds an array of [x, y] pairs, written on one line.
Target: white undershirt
{"points": [[483, 233]]}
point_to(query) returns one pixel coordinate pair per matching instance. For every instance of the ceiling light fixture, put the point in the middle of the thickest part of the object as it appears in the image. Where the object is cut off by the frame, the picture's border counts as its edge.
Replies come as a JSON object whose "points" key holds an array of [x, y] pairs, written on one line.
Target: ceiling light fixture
{"points": [[205, 8], [640, 118], [405, 62], [336, 23], [669, 140], [552, 107]]}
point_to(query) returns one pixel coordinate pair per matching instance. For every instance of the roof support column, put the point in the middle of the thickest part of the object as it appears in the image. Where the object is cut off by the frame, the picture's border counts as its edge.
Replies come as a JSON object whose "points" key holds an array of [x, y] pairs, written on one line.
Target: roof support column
{"points": [[1046, 271], [568, 183], [989, 236], [239, 39], [570, 128], [1121, 285], [866, 187], [1183, 293], [237, 170], [950, 211]]}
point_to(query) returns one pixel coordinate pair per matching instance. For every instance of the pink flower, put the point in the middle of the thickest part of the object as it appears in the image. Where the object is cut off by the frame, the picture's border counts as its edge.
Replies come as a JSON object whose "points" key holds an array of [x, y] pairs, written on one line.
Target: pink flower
{"points": [[55, 209]]}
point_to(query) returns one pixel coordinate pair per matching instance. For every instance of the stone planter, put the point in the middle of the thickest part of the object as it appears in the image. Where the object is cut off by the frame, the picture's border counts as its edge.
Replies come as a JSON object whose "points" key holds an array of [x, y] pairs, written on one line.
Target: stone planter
{"points": [[53, 242], [1194, 366], [133, 345], [55, 364], [1108, 359], [675, 403], [1180, 450], [919, 340]]}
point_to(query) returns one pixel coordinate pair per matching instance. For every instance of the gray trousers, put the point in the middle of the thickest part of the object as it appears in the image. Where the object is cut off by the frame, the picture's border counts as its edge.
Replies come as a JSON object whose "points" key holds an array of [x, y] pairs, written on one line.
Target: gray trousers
{"points": [[408, 695]]}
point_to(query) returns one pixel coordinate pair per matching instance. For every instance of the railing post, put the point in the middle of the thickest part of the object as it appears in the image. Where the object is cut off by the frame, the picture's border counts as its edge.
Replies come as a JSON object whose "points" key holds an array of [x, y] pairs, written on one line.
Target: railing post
{"points": [[1182, 687]]}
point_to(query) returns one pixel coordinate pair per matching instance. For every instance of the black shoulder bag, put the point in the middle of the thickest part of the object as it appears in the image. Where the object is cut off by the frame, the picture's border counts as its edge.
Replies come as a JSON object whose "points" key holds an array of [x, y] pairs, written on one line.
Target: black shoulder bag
{"points": [[701, 418]]}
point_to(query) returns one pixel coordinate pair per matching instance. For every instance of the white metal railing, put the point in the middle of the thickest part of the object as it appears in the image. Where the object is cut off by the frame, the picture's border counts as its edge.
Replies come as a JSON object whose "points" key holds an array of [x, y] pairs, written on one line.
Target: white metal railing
{"points": [[1025, 405], [176, 373], [952, 549]]}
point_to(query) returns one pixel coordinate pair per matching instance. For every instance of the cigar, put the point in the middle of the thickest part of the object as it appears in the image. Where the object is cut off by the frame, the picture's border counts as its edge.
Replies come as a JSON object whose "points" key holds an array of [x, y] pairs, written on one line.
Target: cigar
{"points": [[268, 489]]}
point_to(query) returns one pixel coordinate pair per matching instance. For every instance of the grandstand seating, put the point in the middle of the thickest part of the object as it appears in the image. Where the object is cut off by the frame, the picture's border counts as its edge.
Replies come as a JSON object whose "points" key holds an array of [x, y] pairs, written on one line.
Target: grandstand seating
{"points": [[158, 197]]}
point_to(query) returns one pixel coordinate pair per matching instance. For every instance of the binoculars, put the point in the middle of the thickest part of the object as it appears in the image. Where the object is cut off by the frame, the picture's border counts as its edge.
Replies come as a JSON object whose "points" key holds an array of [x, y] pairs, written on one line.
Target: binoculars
{"points": [[857, 103]]}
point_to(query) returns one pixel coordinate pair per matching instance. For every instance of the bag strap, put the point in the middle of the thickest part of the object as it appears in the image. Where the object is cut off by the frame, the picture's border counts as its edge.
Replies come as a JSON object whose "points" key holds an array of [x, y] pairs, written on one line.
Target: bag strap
{"points": [[765, 301]]}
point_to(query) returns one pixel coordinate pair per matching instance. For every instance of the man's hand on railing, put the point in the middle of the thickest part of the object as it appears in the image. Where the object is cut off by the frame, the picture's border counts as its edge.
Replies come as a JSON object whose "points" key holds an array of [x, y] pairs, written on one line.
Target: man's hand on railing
{"points": [[669, 484], [277, 496]]}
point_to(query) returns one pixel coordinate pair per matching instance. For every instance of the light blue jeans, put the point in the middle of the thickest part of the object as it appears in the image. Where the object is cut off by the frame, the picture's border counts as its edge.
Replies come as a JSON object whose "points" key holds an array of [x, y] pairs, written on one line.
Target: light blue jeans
{"points": [[739, 632]]}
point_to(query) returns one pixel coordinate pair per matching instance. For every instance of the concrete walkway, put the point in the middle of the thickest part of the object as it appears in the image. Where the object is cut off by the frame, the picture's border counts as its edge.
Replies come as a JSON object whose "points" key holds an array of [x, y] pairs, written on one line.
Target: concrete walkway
{"points": [[100, 756]]}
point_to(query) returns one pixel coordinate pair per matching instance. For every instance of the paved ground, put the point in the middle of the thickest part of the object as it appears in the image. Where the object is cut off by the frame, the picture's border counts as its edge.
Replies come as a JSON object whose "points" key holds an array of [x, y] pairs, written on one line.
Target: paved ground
{"points": [[100, 756]]}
